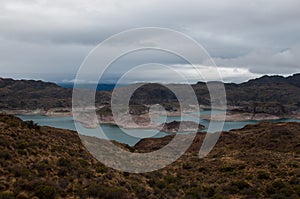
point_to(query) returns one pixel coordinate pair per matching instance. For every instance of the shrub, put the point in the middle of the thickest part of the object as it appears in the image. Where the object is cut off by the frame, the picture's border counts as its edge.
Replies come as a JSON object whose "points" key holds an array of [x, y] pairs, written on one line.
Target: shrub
{"points": [[6, 195], [187, 166], [209, 191], [4, 155], [193, 193], [32, 125], [45, 192], [62, 172], [262, 175], [63, 162], [226, 169], [100, 168], [202, 169], [20, 171], [240, 184], [82, 162], [22, 145], [22, 152]]}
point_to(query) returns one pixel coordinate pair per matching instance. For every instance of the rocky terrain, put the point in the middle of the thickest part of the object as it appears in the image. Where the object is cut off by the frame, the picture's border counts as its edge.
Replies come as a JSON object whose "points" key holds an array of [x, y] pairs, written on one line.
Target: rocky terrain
{"points": [[258, 161]]}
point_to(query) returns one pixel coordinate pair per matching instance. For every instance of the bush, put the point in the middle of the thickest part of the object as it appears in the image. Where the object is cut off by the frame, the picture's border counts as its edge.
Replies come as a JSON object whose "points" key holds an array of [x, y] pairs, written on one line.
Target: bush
{"points": [[262, 175], [187, 166], [6, 195], [45, 192], [226, 169], [82, 162], [193, 193], [100, 168], [4, 155], [22, 152], [241, 185], [62, 172], [32, 125], [20, 171], [63, 162], [22, 145]]}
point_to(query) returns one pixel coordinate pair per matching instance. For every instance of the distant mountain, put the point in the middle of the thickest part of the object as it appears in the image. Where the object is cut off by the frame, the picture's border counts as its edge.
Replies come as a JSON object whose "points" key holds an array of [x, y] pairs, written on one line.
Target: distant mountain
{"points": [[276, 79], [258, 161], [31, 95], [269, 94], [294, 79], [274, 95]]}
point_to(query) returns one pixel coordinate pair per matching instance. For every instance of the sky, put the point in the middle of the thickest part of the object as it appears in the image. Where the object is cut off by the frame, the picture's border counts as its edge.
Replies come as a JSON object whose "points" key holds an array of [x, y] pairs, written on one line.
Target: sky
{"points": [[49, 39]]}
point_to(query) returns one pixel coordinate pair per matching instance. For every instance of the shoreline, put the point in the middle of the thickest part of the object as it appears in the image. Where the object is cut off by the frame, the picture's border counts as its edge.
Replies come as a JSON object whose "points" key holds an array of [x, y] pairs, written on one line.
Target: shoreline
{"points": [[144, 124]]}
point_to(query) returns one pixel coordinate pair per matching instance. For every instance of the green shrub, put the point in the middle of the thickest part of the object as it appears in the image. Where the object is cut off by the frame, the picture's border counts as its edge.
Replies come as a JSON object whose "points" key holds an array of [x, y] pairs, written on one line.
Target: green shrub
{"points": [[193, 193], [187, 166], [202, 169], [20, 171], [262, 175], [6, 195], [22, 152], [226, 169], [63, 162], [22, 145], [209, 191], [45, 191], [241, 185], [100, 168], [4, 155], [82, 162], [32, 125], [62, 172]]}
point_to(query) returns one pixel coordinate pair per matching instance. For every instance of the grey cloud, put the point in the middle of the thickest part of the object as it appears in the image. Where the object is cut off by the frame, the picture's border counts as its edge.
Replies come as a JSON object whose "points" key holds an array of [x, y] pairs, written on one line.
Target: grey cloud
{"points": [[55, 36], [267, 61]]}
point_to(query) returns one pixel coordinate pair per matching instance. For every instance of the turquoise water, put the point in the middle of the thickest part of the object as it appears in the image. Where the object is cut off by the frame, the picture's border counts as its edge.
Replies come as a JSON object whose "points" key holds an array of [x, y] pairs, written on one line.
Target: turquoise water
{"points": [[112, 132], [106, 131]]}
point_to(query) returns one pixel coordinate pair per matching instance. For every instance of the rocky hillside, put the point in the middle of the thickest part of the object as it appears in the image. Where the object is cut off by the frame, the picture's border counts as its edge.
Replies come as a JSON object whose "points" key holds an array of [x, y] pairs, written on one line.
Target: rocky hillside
{"points": [[258, 161], [275, 95], [31, 95]]}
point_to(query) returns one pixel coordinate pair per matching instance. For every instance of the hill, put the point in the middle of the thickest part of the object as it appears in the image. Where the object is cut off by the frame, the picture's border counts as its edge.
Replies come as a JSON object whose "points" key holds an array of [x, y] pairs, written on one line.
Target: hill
{"points": [[258, 161], [32, 95]]}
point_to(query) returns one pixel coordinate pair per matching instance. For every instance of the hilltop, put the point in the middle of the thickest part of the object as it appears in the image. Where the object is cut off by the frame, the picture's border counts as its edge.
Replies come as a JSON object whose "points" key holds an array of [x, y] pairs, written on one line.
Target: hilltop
{"points": [[258, 161], [33, 95]]}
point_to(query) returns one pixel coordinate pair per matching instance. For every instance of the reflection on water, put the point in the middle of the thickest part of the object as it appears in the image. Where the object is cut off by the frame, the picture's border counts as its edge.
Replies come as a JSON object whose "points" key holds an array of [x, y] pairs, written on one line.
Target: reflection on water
{"points": [[113, 132]]}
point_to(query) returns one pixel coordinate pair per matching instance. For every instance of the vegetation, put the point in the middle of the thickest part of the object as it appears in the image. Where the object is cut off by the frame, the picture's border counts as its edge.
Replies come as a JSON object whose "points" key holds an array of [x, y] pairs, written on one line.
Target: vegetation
{"points": [[258, 161]]}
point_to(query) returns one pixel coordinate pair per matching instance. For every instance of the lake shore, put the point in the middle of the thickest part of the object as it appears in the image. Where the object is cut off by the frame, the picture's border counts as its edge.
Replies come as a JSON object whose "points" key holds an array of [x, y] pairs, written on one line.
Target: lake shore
{"points": [[142, 121]]}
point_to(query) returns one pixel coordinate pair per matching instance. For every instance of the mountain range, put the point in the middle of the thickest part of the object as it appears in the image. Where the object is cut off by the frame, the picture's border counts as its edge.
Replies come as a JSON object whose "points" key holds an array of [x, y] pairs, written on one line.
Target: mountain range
{"points": [[275, 95]]}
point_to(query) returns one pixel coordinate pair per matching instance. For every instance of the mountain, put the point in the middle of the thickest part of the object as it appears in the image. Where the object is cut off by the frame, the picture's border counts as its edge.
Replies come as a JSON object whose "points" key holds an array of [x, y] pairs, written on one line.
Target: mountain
{"points": [[293, 80], [29, 94], [258, 161], [274, 95], [32, 95]]}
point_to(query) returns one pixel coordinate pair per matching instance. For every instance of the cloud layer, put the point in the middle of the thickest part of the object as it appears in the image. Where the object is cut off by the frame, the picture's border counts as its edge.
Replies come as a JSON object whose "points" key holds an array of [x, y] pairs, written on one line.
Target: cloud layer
{"points": [[257, 36]]}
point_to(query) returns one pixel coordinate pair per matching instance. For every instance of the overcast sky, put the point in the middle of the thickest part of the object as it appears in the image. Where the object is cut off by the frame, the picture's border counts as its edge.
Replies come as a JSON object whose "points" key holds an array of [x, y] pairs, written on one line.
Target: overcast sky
{"points": [[49, 39]]}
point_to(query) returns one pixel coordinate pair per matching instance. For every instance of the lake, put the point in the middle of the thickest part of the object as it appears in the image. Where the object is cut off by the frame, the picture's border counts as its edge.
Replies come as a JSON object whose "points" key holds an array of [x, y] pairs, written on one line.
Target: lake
{"points": [[113, 132]]}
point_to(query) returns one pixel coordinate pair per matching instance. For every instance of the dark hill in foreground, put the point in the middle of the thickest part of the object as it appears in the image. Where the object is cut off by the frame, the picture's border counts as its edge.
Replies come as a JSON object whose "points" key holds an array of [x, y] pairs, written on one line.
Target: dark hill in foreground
{"points": [[258, 161]]}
